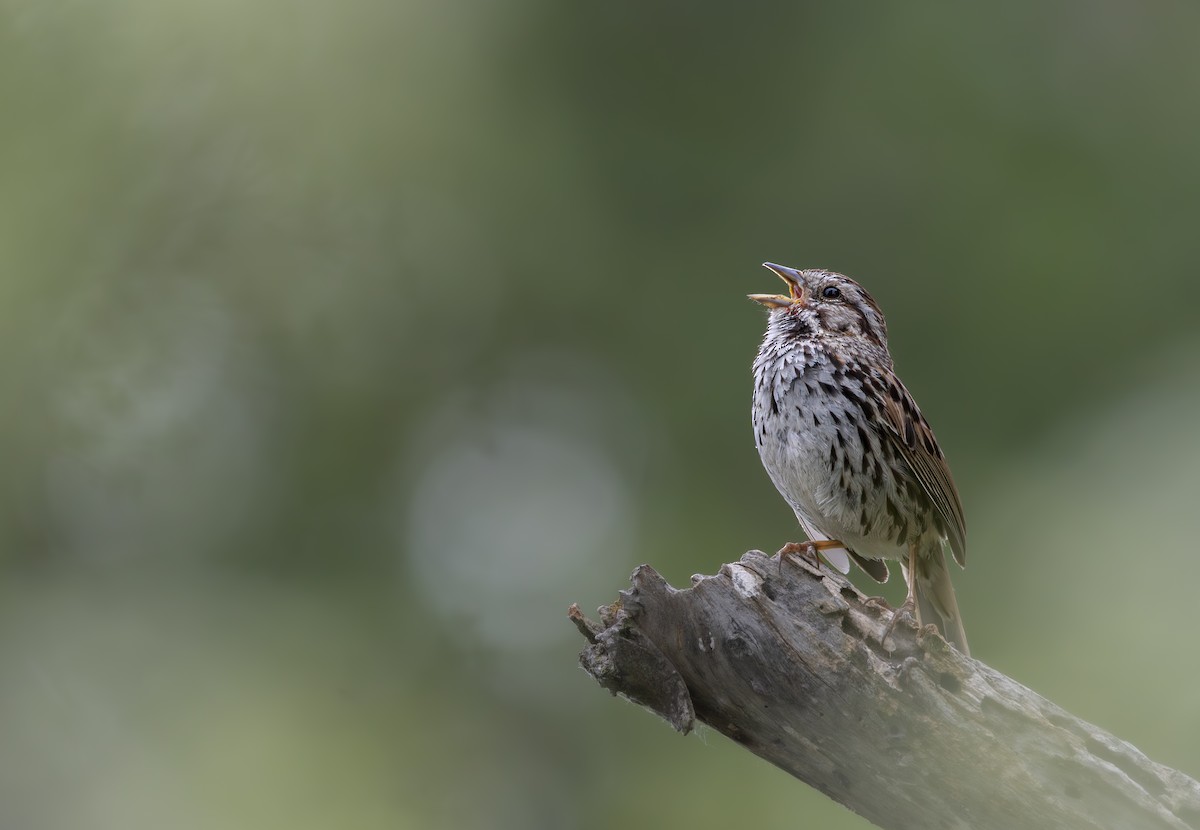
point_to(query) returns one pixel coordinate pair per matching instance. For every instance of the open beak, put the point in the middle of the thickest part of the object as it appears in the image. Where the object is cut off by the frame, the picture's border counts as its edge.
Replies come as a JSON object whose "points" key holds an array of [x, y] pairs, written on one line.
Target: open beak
{"points": [[796, 291]]}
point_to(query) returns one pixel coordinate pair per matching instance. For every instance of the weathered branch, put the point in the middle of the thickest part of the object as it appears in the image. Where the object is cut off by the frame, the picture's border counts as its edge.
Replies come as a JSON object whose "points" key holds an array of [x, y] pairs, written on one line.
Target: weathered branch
{"points": [[786, 660]]}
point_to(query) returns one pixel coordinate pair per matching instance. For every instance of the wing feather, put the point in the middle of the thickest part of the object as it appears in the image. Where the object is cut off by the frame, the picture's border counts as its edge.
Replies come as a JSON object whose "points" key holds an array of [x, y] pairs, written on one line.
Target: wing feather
{"points": [[915, 443]]}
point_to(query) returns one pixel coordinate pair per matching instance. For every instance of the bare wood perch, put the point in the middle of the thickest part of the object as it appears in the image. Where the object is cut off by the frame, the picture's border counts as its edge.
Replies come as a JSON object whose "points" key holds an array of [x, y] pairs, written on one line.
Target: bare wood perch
{"points": [[786, 661]]}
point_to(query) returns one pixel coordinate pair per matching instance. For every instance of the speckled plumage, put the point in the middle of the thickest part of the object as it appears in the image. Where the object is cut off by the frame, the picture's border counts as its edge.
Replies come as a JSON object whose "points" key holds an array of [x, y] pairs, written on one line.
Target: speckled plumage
{"points": [[846, 445]]}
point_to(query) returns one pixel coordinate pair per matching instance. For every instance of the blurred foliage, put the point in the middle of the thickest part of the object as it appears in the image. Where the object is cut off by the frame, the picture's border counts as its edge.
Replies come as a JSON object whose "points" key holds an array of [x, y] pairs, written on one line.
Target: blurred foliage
{"points": [[343, 346]]}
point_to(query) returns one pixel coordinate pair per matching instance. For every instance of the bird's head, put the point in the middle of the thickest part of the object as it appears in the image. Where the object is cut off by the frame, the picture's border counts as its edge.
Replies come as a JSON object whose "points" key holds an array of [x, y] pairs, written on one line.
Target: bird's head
{"points": [[821, 305]]}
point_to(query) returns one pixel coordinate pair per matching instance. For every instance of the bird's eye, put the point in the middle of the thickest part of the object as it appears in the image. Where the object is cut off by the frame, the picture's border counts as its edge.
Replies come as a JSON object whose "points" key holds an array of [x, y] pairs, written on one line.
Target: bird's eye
{"points": [[831, 292]]}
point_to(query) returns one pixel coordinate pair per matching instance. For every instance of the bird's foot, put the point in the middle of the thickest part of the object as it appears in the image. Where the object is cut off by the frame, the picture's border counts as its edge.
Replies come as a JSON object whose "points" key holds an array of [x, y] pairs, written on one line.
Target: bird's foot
{"points": [[905, 611], [808, 551]]}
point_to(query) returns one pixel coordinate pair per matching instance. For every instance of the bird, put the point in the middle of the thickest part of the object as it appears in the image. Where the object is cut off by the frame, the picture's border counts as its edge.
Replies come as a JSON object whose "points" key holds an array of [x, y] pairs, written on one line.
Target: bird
{"points": [[849, 450]]}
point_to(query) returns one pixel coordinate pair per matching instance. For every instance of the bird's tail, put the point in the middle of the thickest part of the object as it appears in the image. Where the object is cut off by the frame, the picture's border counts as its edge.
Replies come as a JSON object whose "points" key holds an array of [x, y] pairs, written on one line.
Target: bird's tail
{"points": [[935, 599]]}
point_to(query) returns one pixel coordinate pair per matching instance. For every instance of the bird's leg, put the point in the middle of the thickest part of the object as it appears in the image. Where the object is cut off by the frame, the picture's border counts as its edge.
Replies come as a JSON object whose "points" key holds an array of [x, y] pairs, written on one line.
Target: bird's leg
{"points": [[908, 608], [807, 550]]}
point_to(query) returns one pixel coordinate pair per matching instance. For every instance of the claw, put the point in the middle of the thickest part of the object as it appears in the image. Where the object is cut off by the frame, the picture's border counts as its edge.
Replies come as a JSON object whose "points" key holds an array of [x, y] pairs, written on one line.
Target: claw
{"points": [[806, 550], [810, 551], [905, 611], [908, 608]]}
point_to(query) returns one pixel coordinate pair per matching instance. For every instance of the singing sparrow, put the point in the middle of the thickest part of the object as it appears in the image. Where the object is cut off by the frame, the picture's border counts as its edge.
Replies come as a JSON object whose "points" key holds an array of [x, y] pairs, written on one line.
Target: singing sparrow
{"points": [[847, 447]]}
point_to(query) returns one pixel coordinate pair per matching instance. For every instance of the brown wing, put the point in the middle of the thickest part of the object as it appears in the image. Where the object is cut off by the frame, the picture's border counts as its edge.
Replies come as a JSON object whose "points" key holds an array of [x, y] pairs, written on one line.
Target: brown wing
{"points": [[911, 436]]}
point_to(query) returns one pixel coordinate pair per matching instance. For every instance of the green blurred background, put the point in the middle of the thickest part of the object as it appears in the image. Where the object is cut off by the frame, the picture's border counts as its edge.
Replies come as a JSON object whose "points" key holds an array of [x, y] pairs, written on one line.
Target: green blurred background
{"points": [[342, 346]]}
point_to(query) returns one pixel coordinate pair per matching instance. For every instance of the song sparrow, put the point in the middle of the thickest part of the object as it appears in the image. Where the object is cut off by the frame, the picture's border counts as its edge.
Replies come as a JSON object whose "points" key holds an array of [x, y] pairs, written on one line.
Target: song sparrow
{"points": [[846, 446]]}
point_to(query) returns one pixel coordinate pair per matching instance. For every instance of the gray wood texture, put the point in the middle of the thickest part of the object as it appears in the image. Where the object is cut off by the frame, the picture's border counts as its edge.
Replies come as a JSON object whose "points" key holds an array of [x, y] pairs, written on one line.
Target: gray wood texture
{"points": [[786, 660]]}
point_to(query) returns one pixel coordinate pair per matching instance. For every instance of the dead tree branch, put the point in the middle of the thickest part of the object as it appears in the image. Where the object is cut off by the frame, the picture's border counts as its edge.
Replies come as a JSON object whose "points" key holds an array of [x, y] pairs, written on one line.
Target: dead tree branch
{"points": [[786, 660]]}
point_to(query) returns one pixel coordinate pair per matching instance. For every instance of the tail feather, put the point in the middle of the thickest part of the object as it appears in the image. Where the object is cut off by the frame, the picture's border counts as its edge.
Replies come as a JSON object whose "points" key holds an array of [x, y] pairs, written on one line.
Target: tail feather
{"points": [[935, 599]]}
